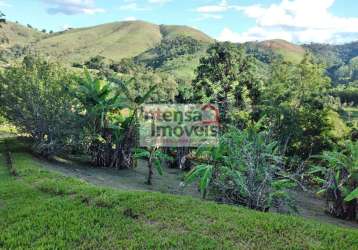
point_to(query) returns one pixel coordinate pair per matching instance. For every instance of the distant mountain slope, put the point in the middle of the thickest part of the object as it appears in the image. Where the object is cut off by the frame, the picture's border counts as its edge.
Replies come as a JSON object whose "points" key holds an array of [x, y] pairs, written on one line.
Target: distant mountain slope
{"points": [[341, 61], [291, 52], [113, 41], [172, 31], [12, 34], [334, 54]]}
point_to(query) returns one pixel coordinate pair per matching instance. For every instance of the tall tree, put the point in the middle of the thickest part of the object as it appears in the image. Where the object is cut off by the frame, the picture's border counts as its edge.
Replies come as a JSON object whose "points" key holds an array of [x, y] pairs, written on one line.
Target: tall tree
{"points": [[294, 102], [227, 77], [2, 18]]}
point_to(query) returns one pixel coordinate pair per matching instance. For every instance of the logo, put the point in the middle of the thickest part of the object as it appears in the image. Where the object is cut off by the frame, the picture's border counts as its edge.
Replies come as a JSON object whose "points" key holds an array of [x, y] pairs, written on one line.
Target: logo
{"points": [[178, 125]]}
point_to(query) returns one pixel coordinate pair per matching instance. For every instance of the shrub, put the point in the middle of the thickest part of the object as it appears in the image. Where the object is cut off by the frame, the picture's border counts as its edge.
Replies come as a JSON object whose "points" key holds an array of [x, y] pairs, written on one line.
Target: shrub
{"points": [[245, 169], [338, 174], [35, 98]]}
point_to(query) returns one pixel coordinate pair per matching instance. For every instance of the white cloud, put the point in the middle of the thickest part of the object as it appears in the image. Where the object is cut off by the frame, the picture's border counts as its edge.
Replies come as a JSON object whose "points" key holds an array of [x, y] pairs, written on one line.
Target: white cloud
{"points": [[4, 4], [161, 2], [300, 21], [130, 18], [72, 7], [254, 34], [206, 16], [133, 6], [218, 8]]}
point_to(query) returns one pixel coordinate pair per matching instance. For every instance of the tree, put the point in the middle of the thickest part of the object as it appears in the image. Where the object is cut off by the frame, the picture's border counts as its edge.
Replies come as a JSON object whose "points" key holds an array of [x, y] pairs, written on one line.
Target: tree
{"points": [[155, 158], [139, 82], [98, 99], [294, 103], [110, 114], [2, 18], [227, 77], [34, 97], [170, 49]]}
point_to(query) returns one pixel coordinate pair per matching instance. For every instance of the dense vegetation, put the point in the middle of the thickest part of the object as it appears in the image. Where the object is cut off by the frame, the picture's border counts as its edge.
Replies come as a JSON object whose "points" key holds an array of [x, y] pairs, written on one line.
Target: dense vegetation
{"points": [[285, 124]]}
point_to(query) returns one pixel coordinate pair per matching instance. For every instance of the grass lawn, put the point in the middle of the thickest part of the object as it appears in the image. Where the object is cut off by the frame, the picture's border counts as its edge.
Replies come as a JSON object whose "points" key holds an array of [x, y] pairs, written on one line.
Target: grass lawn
{"points": [[41, 209]]}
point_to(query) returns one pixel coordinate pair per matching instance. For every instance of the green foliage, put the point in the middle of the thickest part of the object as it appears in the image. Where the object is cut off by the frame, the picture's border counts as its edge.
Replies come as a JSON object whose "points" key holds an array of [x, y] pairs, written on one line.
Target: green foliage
{"points": [[245, 168], [109, 111], [2, 18], [346, 93], [140, 82], [155, 157], [104, 124], [170, 49], [340, 60], [339, 130], [227, 77], [339, 169], [264, 55], [96, 62], [294, 102], [115, 41], [35, 98]]}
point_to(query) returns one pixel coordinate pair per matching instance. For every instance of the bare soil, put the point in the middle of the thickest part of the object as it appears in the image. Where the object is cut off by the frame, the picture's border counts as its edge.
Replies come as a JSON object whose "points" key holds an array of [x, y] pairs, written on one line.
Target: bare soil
{"points": [[309, 205]]}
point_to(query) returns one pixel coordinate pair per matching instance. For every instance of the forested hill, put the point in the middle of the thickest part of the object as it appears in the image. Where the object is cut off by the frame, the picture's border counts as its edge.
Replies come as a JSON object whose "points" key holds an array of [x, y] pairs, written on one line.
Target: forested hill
{"points": [[341, 60], [113, 40], [161, 46]]}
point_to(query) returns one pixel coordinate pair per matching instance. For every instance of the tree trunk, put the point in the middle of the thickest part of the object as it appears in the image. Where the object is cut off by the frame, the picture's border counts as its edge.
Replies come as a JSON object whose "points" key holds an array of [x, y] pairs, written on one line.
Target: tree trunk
{"points": [[181, 159], [150, 173]]}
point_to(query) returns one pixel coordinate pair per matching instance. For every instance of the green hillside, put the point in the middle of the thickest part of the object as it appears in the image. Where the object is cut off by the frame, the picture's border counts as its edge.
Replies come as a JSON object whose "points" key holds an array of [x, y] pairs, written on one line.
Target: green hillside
{"points": [[172, 31], [289, 51], [113, 41], [12, 34]]}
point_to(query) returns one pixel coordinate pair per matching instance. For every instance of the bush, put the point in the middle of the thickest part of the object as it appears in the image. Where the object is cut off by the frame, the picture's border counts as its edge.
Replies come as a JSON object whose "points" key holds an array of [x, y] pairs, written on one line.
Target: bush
{"points": [[35, 98], [338, 174], [245, 169]]}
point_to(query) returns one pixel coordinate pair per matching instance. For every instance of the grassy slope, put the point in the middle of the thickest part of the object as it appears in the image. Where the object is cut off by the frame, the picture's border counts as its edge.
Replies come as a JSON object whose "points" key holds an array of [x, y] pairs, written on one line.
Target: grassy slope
{"points": [[17, 34], [172, 31], [291, 52], [114, 40], [40, 209]]}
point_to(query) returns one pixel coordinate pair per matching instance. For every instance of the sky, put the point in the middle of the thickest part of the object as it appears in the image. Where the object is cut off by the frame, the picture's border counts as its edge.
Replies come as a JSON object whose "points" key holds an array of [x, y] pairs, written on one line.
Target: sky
{"points": [[298, 21]]}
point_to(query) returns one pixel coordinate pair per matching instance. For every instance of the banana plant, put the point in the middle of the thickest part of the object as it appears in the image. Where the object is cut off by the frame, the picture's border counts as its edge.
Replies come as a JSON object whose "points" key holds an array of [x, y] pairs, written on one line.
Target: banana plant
{"points": [[212, 156], [99, 99], [155, 158], [244, 168], [338, 175], [126, 140]]}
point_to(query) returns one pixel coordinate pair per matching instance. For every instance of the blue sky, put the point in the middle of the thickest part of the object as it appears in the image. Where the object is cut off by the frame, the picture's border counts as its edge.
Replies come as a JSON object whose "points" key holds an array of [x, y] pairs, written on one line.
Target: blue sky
{"points": [[300, 21]]}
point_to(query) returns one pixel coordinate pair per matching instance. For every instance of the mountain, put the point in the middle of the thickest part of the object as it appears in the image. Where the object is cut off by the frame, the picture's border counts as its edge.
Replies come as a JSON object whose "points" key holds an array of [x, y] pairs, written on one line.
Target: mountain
{"points": [[14, 34], [341, 61], [289, 51], [334, 54], [113, 41], [171, 48]]}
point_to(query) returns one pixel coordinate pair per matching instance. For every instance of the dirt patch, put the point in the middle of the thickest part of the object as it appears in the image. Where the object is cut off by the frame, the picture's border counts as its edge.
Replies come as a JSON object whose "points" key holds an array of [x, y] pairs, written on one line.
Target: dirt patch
{"points": [[312, 207], [126, 179], [309, 206]]}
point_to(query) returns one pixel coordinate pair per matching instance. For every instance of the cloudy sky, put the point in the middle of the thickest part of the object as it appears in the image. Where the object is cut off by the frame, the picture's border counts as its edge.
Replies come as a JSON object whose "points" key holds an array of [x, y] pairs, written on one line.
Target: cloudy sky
{"points": [[299, 21]]}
